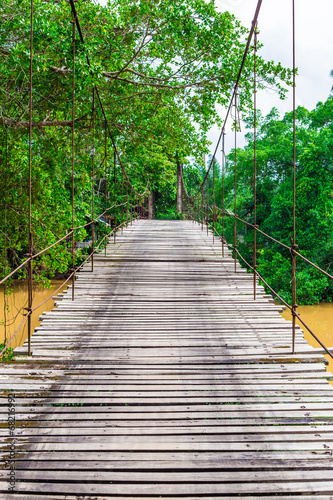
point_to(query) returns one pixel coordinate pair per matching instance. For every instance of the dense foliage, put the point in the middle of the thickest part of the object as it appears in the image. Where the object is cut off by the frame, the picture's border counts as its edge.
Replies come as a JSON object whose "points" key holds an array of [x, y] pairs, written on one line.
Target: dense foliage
{"points": [[160, 68], [8, 355], [314, 193]]}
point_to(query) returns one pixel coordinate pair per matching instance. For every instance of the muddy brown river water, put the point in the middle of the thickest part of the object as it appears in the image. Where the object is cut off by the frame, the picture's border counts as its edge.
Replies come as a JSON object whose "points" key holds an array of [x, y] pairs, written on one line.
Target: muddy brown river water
{"points": [[319, 317], [15, 304]]}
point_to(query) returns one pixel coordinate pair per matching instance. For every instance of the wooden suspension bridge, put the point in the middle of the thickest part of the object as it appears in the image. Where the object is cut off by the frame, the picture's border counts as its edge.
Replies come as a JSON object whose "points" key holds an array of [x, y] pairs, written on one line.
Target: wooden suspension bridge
{"points": [[165, 379]]}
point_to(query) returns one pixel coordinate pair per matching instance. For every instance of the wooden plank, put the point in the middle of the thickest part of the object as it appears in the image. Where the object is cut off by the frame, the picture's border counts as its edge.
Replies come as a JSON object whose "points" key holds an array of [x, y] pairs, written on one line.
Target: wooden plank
{"points": [[325, 487], [164, 377], [269, 432], [70, 497], [178, 477], [220, 409], [173, 464], [186, 458], [89, 436]]}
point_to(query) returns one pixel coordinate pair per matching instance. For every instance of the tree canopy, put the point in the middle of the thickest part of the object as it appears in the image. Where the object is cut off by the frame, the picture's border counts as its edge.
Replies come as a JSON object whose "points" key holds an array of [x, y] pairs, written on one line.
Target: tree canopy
{"points": [[314, 198], [161, 69]]}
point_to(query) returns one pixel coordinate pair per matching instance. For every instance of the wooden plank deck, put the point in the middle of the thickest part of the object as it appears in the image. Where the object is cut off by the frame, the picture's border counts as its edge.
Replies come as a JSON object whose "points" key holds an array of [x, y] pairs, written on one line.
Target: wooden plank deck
{"points": [[165, 379]]}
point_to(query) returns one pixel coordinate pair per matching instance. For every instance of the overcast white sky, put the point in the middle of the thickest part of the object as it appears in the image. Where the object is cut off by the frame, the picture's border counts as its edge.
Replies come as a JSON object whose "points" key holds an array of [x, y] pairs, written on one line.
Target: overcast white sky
{"points": [[314, 50], [314, 53]]}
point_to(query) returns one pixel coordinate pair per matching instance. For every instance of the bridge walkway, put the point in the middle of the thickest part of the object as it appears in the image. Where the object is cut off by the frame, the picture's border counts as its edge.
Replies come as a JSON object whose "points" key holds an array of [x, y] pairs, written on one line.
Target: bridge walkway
{"points": [[165, 379]]}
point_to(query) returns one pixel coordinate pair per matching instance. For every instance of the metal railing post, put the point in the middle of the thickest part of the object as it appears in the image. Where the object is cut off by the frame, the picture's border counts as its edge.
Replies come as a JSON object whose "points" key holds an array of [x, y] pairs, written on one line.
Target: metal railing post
{"points": [[114, 197], [30, 243], [255, 166], [93, 185], [235, 218]]}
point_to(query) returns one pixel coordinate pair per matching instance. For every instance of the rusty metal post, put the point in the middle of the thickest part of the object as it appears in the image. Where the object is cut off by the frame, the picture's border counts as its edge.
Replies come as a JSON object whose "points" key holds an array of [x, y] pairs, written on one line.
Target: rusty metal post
{"points": [[199, 209], [122, 202], [223, 171], [198, 203], [194, 210], [255, 166], [207, 203], [93, 185], [151, 205], [293, 293], [179, 187], [30, 276], [73, 158], [106, 186], [114, 196], [126, 203], [235, 219], [5, 236], [214, 202], [294, 246]]}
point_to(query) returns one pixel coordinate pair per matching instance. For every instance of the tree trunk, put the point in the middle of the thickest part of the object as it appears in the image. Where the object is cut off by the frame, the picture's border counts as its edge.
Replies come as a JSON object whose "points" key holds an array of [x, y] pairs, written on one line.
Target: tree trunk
{"points": [[179, 188], [151, 200]]}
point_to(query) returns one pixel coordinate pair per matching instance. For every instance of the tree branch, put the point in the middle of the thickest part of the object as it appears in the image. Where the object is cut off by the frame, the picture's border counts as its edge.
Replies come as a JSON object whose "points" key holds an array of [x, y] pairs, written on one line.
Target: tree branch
{"points": [[63, 71], [9, 122], [159, 85]]}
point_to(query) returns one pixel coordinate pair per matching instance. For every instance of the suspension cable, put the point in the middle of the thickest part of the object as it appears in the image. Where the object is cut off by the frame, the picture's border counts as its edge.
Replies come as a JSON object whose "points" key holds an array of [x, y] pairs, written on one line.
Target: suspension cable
{"points": [[76, 20], [106, 183], [223, 174], [114, 194], [30, 276], [93, 182], [235, 91], [294, 246], [235, 186], [73, 157], [255, 161]]}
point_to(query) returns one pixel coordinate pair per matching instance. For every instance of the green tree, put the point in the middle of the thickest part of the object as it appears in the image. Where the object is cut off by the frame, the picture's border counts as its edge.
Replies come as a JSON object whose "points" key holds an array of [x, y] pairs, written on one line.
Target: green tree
{"points": [[314, 205], [160, 69]]}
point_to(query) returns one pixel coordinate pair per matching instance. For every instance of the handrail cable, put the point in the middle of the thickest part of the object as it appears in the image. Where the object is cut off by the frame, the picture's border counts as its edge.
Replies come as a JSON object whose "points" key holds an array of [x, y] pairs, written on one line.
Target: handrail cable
{"points": [[293, 247], [56, 291], [56, 243], [74, 12], [33, 256], [235, 91]]}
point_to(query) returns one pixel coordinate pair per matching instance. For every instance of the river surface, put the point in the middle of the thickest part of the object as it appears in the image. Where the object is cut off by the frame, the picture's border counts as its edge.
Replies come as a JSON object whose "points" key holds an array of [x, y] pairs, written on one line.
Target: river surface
{"points": [[319, 318], [15, 303]]}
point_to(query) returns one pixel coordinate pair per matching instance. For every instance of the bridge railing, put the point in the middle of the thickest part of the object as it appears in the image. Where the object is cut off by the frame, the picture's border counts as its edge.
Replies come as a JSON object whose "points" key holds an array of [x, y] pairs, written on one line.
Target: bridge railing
{"points": [[194, 211], [132, 208], [133, 215], [196, 206]]}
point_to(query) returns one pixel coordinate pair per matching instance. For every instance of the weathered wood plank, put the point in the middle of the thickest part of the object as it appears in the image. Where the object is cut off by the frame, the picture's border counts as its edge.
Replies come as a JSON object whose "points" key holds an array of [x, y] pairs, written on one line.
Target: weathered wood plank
{"points": [[177, 488], [165, 378]]}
